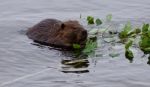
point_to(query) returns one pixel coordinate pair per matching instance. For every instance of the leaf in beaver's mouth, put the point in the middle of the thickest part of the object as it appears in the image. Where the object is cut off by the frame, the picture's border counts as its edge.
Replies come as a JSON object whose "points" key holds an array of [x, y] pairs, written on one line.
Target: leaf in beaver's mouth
{"points": [[90, 46], [76, 46]]}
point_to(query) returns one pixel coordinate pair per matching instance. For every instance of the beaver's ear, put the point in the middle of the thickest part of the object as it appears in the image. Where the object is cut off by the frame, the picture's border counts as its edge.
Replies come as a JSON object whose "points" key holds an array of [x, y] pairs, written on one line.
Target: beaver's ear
{"points": [[62, 26]]}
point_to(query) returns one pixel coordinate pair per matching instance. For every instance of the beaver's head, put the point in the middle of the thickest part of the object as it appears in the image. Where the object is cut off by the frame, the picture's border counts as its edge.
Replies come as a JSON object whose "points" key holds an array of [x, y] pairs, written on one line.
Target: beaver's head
{"points": [[72, 33]]}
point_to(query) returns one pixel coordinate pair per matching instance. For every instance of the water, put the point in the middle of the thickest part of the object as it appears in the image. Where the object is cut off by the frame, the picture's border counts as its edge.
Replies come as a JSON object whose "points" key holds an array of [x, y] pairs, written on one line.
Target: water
{"points": [[25, 65]]}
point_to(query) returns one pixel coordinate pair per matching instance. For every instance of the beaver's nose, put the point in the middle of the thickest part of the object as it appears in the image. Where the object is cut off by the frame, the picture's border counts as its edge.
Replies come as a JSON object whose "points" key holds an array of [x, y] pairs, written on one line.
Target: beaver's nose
{"points": [[84, 34]]}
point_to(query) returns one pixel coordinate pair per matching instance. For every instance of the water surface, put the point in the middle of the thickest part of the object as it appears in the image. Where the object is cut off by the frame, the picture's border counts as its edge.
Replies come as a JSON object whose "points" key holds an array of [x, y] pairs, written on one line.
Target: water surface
{"points": [[23, 64]]}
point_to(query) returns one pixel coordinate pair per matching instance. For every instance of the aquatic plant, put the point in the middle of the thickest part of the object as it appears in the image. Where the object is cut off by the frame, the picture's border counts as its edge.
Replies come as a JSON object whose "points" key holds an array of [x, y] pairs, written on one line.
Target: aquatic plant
{"points": [[144, 33], [128, 36], [128, 52], [76, 46], [144, 40], [126, 31], [90, 46], [91, 20], [109, 17], [91, 43]]}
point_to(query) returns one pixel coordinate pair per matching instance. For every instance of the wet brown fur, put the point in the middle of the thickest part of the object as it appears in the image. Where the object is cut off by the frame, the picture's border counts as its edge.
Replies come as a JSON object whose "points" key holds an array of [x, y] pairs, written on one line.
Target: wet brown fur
{"points": [[56, 33]]}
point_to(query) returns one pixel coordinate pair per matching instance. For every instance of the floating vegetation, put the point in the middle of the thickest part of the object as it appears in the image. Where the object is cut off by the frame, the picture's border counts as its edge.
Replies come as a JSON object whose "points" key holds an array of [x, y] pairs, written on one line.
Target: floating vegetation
{"points": [[76, 46], [98, 21], [129, 36], [90, 45], [109, 17], [128, 52], [92, 20], [129, 33], [124, 34], [144, 42], [144, 34]]}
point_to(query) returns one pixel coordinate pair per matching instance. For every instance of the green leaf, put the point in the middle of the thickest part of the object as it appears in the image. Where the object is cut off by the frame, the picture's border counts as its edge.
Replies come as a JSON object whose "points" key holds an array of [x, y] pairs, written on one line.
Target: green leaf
{"points": [[109, 17], [147, 49], [127, 27], [90, 46], [98, 22], [90, 20], [128, 44], [137, 31], [145, 28], [148, 33], [149, 28], [145, 42], [76, 46], [123, 34], [129, 55], [126, 30]]}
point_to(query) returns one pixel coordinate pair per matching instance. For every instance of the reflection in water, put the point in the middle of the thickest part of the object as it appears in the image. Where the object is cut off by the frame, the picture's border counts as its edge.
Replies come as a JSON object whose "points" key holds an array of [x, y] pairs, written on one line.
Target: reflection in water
{"points": [[76, 63], [18, 58], [75, 66], [148, 62]]}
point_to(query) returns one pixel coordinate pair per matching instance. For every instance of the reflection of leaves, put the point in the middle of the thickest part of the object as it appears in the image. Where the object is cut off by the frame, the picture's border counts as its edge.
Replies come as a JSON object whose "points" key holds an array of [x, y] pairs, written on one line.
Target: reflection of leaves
{"points": [[98, 21], [75, 66], [148, 62], [129, 55], [79, 63], [128, 52], [127, 45]]}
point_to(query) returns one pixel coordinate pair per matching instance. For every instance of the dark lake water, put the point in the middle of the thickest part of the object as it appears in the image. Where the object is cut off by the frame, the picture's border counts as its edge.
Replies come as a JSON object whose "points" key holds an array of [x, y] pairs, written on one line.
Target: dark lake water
{"points": [[23, 64]]}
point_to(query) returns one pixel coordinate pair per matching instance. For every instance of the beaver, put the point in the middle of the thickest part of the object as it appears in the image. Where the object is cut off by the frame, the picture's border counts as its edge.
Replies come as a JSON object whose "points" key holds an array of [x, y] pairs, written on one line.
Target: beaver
{"points": [[59, 34]]}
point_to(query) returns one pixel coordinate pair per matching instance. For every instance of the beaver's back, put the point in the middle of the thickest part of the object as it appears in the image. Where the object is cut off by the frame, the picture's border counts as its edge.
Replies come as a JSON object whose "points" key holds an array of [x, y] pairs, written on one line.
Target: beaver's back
{"points": [[46, 28]]}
